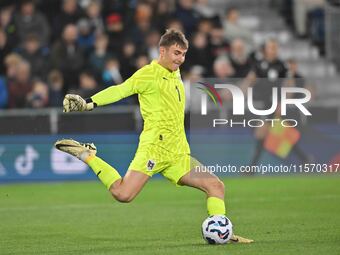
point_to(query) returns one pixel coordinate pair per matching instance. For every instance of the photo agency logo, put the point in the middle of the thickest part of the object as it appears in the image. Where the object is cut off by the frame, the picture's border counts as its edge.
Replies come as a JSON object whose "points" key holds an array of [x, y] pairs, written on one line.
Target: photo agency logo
{"points": [[280, 101]]}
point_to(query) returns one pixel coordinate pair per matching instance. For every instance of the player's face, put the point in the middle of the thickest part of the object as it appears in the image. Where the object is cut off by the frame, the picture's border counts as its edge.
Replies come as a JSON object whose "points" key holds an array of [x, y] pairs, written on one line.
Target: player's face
{"points": [[172, 57], [271, 50]]}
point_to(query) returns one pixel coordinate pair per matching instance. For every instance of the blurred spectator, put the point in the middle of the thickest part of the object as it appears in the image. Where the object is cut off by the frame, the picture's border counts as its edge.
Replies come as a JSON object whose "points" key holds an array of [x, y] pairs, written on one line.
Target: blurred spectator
{"points": [[218, 44], [7, 24], [239, 58], [87, 85], [86, 36], [205, 26], [139, 31], [205, 9], [3, 92], [11, 61], [127, 59], [36, 55], [295, 79], [84, 3], [187, 15], [30, 21], [223, 71], [111, 74], [141, 61], [100, 54], [50, 9], [144, 12], [175, 24], [113, 38], [232, 28], [194, 75], [38, 97], [199, 53], [271, 69], [56, 84], [222, 68], [115, 30], [316, 28], [4, 51], [267, 74], [70, 14], [257, 55], [20, 85], [67, 56], [152, 40], [119, 7], [163, 14], [300, 11], [93, 12]]}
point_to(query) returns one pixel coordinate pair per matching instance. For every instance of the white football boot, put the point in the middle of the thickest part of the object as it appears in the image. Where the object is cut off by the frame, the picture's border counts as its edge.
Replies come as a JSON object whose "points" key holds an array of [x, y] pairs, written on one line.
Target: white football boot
{"points": [[76, 149]]}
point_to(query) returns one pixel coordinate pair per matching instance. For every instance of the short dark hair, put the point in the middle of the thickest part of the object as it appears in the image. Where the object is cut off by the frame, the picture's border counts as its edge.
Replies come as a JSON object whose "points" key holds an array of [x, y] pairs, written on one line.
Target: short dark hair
{"points": [[32, 37], [173, 36]]}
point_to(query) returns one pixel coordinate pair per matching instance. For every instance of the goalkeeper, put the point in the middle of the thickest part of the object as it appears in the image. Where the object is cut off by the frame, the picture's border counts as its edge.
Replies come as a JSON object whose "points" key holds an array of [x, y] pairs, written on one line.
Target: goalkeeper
{"points": [[163, 147]]}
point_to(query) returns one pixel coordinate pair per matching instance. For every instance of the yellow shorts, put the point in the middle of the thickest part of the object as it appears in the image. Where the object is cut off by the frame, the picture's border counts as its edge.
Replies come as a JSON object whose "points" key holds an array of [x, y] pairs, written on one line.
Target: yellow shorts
{"points": [[153, 160]]}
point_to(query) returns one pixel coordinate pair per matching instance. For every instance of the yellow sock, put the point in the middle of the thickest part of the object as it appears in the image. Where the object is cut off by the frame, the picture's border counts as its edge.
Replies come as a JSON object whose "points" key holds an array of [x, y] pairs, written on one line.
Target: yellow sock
{"points": [[215, 206], [106, 173]]}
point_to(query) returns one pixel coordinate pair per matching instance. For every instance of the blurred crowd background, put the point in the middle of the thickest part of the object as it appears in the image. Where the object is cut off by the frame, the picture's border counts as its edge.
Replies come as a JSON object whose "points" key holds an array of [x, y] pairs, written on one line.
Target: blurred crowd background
{"points": [[49, 48]]}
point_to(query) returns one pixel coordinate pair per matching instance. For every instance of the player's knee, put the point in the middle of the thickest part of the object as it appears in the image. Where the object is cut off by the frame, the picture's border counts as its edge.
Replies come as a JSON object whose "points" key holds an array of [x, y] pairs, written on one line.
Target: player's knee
{"points": [[122, 197], [216, 186]]}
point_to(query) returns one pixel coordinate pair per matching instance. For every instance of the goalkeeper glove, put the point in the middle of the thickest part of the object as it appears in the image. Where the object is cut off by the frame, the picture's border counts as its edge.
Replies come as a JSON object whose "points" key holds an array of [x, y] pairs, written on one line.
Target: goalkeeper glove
{"points": [[75, 103]]}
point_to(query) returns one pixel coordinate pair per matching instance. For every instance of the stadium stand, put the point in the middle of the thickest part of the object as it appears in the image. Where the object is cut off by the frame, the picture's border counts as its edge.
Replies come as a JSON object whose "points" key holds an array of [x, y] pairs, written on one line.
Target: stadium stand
{"points": [[84, 46]]}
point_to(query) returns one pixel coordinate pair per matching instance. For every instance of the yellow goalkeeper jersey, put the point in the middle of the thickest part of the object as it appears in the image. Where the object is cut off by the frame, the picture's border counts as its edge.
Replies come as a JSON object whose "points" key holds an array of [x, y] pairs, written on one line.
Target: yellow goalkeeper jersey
{"points": [[162, 101]]}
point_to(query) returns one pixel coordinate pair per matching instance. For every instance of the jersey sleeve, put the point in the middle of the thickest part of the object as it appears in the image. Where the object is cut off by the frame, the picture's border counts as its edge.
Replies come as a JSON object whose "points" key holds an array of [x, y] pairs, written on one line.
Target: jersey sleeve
{"points": [[139, 83]]}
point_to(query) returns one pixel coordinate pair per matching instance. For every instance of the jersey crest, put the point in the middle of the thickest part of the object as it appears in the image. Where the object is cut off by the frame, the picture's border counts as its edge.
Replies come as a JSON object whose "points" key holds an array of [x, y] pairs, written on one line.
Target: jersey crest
{"points": [[151, 164]]}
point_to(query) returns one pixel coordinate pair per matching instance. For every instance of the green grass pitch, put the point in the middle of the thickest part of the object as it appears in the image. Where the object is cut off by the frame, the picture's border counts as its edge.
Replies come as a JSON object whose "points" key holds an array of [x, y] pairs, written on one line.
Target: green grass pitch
{"points": [[285, 215]]}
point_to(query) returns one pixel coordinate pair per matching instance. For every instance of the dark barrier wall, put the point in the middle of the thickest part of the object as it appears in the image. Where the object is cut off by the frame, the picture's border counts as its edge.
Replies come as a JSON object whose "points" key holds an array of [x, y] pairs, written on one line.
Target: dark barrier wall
{"points": [[33, 158], [70, 123]]}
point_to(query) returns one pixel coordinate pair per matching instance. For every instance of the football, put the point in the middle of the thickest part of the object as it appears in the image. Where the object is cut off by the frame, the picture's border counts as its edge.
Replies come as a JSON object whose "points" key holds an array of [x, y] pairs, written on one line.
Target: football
{"points": [[217, 229]]}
